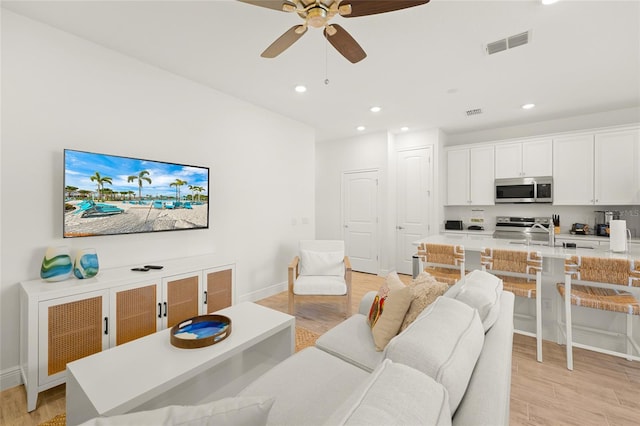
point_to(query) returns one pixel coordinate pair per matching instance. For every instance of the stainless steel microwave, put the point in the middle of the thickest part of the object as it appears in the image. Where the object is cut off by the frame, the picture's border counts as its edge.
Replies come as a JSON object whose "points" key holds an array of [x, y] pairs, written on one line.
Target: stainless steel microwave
{"points": [[524, 190]]}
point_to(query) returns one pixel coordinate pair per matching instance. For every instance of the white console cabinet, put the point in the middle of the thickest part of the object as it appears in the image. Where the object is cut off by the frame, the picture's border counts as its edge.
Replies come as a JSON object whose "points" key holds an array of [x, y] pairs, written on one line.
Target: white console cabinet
{"points": [[61, 322]]}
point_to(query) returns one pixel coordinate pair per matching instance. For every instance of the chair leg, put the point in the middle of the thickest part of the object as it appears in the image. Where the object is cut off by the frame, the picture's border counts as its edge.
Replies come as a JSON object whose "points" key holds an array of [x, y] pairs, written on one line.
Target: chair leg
{"points": [[567, 315], [538, 330], [629, 336], [291, 305], [559, 318]]}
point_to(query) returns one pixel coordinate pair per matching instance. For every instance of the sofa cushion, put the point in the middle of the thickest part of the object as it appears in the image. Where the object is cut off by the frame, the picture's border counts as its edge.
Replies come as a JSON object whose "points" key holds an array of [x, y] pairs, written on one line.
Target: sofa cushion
{"points": [[352, 341], [388, 310], [321, 262], [249, 411], [444, 342], [482, 290], [425, 289], [395, 394], [307, 387]]}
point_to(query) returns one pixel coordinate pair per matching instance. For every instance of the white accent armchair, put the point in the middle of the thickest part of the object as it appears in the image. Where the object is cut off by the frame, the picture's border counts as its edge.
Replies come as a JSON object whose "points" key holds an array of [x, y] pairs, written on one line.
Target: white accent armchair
{"points": [[321, 270]]}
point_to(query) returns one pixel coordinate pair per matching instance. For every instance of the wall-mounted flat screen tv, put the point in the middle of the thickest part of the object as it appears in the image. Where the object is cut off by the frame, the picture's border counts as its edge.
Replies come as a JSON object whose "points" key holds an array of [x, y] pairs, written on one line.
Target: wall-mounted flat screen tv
{"points": [[111, 195]]}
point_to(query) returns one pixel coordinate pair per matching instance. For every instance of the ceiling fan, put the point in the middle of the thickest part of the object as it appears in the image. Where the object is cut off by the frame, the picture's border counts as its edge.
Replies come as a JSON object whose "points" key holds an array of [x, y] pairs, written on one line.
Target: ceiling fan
{"points": [[318, 13]]}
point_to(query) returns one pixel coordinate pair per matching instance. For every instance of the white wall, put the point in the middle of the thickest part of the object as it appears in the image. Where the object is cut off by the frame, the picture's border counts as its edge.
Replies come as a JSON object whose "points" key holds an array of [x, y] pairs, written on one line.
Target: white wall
{"points": [[333, 158], [60, 91], [370, 151]]}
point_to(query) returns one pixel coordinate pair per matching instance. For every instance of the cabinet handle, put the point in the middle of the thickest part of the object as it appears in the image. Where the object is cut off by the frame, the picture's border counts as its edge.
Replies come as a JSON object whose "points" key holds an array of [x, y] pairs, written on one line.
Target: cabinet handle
{"points": [[106, 325], [165, 309], [205, 297], [159, 310]]}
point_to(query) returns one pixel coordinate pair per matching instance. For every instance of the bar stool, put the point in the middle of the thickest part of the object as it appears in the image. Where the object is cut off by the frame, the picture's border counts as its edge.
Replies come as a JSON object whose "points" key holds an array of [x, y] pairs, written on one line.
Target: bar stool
{"points": [[599, 286], [521, 274], [443, 261]]}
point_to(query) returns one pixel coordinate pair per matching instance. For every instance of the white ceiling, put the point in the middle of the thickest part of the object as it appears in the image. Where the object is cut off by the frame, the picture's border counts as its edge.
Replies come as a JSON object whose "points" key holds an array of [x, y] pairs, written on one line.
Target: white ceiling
{"points": [[425, 67]]}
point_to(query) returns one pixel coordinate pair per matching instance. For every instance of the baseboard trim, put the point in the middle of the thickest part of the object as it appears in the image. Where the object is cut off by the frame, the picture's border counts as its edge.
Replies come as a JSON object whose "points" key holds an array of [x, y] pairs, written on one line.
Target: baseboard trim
{"points": [[9, 378], [263, 293]]}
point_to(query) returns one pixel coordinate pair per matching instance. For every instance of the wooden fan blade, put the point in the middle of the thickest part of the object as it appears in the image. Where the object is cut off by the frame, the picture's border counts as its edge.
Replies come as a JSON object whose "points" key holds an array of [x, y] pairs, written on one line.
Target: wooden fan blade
{"points": [[372, 7], [269, 4], [345, 44], [283, 42]]}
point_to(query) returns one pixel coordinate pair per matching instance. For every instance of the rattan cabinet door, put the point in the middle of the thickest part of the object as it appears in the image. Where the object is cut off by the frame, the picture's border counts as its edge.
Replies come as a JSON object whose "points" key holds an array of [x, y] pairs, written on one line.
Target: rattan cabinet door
{"points": [[137, 311], [219, 287], [71, 328], [182, 296]]}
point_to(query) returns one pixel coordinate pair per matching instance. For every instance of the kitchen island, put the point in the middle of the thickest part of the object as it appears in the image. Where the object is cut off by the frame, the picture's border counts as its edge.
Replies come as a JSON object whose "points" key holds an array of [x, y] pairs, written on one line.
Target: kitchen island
{"points": [[475, 243], [553, 272]]}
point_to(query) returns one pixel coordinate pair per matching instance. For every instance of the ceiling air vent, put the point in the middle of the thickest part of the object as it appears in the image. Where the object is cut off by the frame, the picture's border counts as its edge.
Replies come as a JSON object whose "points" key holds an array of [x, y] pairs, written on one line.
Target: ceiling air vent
{"points": [[475, 111], [497, 46], [508, 43]]}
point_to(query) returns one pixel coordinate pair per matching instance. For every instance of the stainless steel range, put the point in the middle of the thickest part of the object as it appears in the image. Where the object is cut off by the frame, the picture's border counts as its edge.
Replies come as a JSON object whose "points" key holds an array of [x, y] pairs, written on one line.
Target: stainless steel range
{"points": [[522, 228]]}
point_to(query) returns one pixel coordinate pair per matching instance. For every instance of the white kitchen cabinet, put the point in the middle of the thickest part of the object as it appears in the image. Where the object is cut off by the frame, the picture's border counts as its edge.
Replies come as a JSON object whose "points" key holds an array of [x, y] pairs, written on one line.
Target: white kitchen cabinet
{"points": [[524, 159], [470, 179], [65, 321], [573, 170], [617, 164], [597, 169]]}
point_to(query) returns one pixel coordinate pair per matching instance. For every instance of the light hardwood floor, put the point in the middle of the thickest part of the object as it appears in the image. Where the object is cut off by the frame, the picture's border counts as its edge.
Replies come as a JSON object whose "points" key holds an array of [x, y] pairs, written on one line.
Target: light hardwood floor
{"points": [[602, 390]]}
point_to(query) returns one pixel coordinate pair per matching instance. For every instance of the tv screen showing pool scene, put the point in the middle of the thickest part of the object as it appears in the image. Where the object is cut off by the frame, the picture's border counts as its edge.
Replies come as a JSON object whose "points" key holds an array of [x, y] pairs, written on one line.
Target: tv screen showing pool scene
{"points": [[110, 195]]}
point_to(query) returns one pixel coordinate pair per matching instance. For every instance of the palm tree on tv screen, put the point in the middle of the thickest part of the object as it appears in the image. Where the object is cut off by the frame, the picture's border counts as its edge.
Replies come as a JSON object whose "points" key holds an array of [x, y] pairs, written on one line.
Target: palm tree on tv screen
{"points": [[178, 183], [101, 180], [197, 189], [142, 176]]}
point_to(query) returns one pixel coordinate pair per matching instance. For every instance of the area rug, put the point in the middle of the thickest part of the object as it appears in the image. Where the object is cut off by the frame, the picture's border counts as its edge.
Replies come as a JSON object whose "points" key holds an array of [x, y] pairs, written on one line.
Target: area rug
{"points": [[304, 339], [59, 420]]}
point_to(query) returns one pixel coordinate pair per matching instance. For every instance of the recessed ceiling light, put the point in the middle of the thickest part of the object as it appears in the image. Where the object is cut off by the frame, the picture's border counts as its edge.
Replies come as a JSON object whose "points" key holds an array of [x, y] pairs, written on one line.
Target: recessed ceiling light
{"points": [[360, 128], [404, 129], [375, 109], [301, 89], [528, 106], [546, 2]]}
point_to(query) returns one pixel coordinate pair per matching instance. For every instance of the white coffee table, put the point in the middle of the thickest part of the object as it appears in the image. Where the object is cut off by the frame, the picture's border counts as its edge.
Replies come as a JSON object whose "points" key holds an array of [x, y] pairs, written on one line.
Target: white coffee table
{"points": [[149, 372]]}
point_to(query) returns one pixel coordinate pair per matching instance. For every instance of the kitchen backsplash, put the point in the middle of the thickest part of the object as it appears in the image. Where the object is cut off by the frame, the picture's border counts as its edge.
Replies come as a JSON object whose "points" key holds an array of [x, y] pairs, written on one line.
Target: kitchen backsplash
{"points": [[568, 215]]}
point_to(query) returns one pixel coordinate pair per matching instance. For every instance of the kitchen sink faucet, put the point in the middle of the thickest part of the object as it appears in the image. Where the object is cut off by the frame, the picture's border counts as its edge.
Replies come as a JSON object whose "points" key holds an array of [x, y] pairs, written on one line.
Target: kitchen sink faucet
{"points": [[550, 230]]}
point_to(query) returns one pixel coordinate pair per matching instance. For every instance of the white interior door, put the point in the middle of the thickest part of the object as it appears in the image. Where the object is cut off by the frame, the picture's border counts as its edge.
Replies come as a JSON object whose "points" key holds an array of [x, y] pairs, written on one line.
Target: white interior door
{"points": [[360, 219], [414, 186]]}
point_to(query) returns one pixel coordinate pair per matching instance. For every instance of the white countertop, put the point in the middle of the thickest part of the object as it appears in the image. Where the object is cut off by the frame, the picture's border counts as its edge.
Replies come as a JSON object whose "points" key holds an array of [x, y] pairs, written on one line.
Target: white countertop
{"points": [[477, 244]]}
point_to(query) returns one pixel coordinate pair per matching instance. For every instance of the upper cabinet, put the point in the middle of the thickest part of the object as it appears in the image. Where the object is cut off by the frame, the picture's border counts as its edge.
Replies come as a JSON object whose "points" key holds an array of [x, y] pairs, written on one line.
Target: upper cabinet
{"points": [[617, 179], [524, 159], [470, 179], [600, 168]]}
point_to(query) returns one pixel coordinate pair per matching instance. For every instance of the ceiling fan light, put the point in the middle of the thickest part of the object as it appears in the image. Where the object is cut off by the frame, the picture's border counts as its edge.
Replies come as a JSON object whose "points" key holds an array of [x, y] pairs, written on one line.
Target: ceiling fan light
{"points": [[317, 17]]}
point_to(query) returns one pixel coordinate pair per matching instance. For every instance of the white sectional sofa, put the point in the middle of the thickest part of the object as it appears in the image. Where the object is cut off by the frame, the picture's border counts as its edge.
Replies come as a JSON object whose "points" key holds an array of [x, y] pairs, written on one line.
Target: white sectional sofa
{"points": [[443, 369], [443, 355]]}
